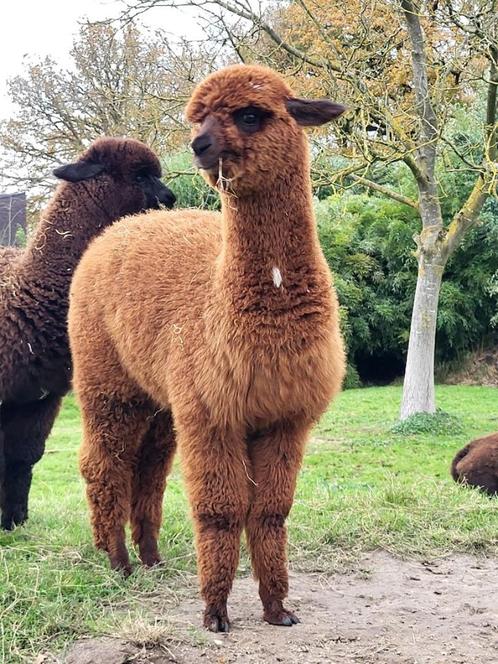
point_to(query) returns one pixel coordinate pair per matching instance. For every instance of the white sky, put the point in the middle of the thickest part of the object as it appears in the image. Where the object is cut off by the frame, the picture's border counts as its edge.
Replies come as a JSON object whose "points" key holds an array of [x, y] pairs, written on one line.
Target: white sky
{"points": [[37, 28]]}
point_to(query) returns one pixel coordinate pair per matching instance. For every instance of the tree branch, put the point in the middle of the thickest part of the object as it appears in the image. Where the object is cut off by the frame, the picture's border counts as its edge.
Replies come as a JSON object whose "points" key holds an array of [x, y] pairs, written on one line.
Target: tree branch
{"points": [[425, 110], [385, 190], [468, 215], [246, 14], [491, 124]]}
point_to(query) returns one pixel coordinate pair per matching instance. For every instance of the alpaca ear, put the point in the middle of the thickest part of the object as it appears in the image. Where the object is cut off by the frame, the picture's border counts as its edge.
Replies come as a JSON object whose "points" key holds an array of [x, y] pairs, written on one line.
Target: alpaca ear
{"points": [[80, 170], [313, 112]]}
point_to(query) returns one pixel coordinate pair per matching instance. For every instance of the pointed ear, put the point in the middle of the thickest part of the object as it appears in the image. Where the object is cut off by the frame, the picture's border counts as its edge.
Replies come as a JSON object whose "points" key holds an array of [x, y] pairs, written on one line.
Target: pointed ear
{"points": [[313, 112], [80, 170]]}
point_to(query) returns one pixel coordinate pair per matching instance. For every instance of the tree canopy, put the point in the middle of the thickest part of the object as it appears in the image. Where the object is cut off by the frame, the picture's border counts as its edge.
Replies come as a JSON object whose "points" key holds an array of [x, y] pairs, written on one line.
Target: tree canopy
{"points": [[121, 83]]}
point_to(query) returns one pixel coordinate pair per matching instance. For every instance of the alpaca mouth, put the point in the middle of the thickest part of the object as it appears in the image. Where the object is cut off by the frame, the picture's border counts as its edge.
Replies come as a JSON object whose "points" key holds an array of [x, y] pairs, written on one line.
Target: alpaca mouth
{"points": [[211, 163]]}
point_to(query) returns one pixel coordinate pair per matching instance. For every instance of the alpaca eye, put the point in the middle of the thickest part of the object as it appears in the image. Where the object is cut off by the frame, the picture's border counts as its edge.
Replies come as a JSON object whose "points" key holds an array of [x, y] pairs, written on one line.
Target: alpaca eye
{"points": [[140, 177], [250, 118]]}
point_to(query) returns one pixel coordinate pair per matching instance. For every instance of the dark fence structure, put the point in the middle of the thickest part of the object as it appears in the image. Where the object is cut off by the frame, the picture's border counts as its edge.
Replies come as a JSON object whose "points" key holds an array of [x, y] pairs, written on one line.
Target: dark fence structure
{"points": [[12, 219]]}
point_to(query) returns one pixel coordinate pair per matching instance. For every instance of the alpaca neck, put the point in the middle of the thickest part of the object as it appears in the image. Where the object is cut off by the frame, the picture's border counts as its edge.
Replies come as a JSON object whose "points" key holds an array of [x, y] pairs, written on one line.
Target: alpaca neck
{"points": [[62, 235], [270, 236]]}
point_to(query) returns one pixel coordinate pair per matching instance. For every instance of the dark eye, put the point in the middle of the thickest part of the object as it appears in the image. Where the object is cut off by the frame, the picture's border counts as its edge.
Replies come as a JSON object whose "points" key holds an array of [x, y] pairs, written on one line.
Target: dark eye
{"points": [[249, 119], [141, 176]]}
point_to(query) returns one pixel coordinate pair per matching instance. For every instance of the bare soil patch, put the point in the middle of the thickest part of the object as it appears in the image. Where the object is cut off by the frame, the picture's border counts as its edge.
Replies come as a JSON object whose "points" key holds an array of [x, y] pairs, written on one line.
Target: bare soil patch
{"points": [[386, 611]]}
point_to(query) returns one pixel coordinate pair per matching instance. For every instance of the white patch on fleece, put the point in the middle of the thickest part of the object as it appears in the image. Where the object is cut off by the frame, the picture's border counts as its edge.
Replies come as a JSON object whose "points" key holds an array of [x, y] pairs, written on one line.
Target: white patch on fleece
{"points": [[277, 277]]}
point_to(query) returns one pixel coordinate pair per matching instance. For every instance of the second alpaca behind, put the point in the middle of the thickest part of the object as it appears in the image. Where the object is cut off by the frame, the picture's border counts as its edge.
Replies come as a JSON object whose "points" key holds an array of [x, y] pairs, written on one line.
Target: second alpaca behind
{"points": [[114, 177], [225, 324]]}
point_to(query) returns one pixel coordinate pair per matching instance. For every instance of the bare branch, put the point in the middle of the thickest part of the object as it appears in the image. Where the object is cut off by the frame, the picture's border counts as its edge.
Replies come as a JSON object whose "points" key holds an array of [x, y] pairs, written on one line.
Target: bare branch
{"points": [[486, 183], [236, 8], [491, 124], [386, 191], [425, 110]]}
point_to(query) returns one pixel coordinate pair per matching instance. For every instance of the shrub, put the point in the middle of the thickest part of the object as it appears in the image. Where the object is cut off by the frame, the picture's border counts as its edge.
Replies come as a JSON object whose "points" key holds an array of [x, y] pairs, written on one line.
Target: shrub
{"points": [[190, 189], [438, 423], [368, 243]]}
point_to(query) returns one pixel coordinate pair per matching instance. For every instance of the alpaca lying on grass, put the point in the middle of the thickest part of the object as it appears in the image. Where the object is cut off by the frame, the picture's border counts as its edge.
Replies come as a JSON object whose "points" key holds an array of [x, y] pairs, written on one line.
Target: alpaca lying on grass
{"points": [[114, 177], [225, 324], [477, 464]]}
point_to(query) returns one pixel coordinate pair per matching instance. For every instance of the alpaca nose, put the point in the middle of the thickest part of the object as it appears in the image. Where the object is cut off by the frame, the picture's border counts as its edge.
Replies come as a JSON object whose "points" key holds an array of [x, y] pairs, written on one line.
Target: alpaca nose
{"points": [[201, 144], [167, 197]]}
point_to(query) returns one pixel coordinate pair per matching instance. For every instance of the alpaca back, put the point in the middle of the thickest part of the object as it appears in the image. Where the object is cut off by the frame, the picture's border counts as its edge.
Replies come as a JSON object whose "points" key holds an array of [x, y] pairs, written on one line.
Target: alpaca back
{"points": [[145, 282], [477, 464]]}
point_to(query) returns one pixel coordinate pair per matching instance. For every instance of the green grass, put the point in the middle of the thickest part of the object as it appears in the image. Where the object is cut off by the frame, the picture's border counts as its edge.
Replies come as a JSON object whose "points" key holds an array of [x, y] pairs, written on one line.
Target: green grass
{"points": [[365, 484]]}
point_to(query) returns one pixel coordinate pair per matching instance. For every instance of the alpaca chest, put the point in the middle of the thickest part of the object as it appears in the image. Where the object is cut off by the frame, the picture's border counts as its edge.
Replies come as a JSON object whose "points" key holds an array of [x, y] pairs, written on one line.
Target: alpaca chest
{"points": [[288, 385], [262, 388], [258, 372]]}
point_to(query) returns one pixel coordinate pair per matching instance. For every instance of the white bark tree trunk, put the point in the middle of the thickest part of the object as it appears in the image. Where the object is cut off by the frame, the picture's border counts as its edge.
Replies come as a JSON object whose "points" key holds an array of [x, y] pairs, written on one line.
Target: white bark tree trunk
{"points": [[418, 387]]}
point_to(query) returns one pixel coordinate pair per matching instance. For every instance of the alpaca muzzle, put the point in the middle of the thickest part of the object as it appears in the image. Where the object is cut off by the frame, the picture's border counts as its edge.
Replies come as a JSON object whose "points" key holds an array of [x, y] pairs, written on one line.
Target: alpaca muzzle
{"points": [[206, 146]]}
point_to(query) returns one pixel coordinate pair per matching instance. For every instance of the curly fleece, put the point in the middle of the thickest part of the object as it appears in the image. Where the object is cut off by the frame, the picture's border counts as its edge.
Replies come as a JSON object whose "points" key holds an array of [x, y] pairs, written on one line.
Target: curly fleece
{"points": [[176, 317], [477, 464], [35, 366]]}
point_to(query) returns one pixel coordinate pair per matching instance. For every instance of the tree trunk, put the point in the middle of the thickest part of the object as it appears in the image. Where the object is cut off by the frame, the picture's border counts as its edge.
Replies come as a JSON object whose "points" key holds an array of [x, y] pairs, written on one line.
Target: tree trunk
{"points": [[418, 386]]}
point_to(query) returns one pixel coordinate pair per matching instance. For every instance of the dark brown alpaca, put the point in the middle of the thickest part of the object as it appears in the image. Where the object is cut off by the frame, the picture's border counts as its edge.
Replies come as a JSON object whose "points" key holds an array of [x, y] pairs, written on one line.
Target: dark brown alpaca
{"points": [[477, 464], [113, 177], [225, 324]]}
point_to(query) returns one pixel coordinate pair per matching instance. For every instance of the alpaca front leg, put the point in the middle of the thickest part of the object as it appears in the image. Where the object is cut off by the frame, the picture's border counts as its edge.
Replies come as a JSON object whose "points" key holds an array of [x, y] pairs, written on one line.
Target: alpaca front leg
{"points": [[14, 496], [25, 430], [214, 465], [2, 461], [153, 463], [275, 459]]}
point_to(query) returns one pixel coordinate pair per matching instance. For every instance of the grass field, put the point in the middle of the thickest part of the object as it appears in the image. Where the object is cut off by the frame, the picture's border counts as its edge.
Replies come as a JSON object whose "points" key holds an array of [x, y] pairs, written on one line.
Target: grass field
{"points": [[362, 487]]}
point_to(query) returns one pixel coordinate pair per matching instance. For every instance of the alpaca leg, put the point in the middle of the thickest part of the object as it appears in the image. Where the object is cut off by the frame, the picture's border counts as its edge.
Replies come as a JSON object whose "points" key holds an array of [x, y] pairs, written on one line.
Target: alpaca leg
{"points": [[26, 428], [2, 460], [153, 463], [112, 431], [275, 461], [214, 466]]}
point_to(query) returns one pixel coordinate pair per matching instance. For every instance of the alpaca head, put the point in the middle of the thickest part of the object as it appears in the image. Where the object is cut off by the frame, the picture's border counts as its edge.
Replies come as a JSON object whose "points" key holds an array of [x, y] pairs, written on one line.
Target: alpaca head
{"points": [[248, 128], [130, 168]]}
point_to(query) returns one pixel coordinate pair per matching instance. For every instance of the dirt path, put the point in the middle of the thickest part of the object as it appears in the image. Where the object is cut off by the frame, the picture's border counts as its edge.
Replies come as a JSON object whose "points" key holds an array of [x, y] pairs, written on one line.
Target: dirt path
{"points": [[387, 612]]}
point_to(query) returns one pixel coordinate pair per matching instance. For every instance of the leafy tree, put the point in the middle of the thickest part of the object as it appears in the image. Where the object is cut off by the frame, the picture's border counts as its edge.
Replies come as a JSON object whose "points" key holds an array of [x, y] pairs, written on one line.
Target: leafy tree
{"points": [[121, 83], [191, 190], [368, 243]]}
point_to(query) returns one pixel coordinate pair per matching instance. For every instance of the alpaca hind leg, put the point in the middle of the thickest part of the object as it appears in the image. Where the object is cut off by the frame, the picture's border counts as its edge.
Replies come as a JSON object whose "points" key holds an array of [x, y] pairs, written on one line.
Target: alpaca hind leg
{"points": [[153, 463], [2, 463], [26, 428], [276, 457], [112, 430], [214, 466]]}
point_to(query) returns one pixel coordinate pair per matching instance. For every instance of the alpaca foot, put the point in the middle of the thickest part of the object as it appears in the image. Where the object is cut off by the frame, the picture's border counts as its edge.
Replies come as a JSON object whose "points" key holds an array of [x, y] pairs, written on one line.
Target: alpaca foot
{"points": [[120, 562], [13, 518], [121, 566], [275, 614], [8, 522], [149, 554], [216, 619], [150, 558]]}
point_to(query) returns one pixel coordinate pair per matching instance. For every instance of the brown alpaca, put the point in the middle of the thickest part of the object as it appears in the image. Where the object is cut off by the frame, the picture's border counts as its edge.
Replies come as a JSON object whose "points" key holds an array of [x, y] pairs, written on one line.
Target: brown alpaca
{"points": [[225, 324], [477, 464], [114, 177]]}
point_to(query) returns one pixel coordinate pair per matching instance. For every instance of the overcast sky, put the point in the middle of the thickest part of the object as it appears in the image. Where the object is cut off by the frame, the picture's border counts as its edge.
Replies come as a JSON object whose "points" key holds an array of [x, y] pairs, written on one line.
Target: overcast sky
{"points": [[36, 28]]}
